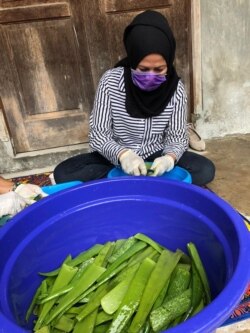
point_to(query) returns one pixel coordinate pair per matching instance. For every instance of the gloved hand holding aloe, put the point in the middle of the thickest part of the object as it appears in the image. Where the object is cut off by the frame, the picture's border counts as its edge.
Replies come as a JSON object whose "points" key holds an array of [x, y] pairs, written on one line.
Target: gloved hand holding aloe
{"points": [[129, 285], [134, 165]]}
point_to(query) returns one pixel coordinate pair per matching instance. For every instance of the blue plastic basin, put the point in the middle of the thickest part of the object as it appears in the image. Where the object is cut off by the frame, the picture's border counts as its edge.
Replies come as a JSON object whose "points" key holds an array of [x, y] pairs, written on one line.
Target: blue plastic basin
{"points": [[177, 173], [173, 213], [51, 189]]}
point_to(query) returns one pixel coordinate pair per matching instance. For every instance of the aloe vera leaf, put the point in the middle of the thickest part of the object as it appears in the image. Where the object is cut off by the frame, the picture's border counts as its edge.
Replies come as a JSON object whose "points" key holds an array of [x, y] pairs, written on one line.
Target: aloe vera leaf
{"points": [[149, 241], [126, 273], [43, 292], [104, 254], [124, 257], [101, 282], [101, 328], [33, 303], [103, 317], [175, 307], [161, 297], [65, 275], [74, 310], [43, 299], [55, 330], [147, 328], [132, 298], [85, 255], [81, 268], [157, 304], [179, 282], [155, 257], [191, 312], [185, 266], [89, 277], [68, 288], [87, 325], [44, 329], [118, 244], [193, 252], [94, 302], [64, 324], [122, 249], [185, 259], [197, 291], [44, 287], [85, 296], [79, 327], [112, 300], [197, 287], [148, 252], [161, 273], [198, 308]]}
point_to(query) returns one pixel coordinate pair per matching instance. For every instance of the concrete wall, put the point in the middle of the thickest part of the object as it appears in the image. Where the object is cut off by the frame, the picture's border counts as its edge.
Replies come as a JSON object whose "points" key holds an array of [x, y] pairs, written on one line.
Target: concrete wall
{"points": [[225, 56], [35, 163]]}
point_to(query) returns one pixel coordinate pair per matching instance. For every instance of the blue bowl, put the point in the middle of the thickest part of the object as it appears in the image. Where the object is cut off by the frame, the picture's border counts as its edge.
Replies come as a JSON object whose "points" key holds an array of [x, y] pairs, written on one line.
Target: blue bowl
{"points": [[51, 189], [177, 173], [172, 213]]}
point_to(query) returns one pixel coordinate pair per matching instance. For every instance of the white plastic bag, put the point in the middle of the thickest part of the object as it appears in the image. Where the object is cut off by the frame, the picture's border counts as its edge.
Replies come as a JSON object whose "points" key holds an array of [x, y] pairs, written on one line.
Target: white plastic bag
{"points": [[30, 192], [11, 203]]}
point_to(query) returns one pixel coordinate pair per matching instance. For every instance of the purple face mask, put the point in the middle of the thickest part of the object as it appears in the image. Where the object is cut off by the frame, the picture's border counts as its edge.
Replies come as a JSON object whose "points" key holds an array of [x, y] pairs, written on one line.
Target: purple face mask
{"points": [[147, 81]]}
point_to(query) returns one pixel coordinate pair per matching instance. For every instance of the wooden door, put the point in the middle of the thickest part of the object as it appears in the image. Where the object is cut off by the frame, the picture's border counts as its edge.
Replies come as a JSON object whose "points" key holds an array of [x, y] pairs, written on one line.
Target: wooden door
{"points": [[53, 54]]}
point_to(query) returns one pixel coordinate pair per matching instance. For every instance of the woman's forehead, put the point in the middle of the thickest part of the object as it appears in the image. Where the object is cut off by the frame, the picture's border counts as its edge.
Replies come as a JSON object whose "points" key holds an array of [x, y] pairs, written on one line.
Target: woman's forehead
{"points": [[153, 59]]}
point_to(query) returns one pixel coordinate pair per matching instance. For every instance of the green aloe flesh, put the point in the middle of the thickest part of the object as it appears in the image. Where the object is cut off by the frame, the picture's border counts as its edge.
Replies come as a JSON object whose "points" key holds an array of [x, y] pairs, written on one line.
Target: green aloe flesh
{"points": [[132, 285]]}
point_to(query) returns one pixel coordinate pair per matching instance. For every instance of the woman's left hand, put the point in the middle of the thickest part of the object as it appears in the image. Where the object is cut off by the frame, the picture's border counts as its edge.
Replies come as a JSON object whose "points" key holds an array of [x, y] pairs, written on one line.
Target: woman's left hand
{"points": [[162, 164]]}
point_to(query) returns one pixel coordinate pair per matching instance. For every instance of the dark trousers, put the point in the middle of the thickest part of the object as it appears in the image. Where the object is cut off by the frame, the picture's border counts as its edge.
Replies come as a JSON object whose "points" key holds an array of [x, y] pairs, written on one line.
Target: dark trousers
{"points": [[91, 166]]}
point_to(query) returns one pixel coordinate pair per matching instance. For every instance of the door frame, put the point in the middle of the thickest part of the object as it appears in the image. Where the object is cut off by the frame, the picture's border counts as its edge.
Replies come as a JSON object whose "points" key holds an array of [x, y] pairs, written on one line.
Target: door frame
{"points": [[196, 58], [196, 83]]}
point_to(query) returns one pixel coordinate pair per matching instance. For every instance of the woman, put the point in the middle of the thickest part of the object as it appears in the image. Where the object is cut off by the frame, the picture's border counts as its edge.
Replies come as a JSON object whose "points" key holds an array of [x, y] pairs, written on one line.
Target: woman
{"points": [[140, 112]]}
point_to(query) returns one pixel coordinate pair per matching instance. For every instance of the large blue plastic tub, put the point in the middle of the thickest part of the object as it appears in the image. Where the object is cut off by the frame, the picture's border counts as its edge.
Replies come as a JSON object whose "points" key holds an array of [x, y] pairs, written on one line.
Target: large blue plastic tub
{"points": [[173, 213]]}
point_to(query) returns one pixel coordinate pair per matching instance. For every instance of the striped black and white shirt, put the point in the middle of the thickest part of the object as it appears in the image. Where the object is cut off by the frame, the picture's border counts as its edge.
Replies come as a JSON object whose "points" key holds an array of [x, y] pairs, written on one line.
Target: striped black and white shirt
{"points": [[112, 129]]}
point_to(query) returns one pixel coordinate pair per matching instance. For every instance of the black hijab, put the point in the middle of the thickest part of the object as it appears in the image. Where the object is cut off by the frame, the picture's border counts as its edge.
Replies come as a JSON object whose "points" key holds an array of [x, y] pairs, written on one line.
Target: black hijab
{"points": [[149, 32]]}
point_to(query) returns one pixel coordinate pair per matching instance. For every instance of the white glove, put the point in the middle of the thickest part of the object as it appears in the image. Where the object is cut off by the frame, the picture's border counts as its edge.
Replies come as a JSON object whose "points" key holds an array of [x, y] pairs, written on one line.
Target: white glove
{"points": [[11, 203], [133, 164], [29, 192], [162, 164]]}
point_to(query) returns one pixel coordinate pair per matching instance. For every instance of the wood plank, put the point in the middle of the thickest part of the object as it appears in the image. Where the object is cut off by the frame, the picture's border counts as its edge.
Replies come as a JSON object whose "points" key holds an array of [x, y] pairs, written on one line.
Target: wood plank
{"points": [[19, 3], [46, 67], [196, 56], [37, 12], [54, 115], [118, 6], [57, 132], [4, 134], [97, 38], [9, 96]]}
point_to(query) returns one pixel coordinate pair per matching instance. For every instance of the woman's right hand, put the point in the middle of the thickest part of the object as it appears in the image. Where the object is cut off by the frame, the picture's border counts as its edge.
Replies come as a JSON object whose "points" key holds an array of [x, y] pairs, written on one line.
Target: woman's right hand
{"points": [[132, 164]]}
